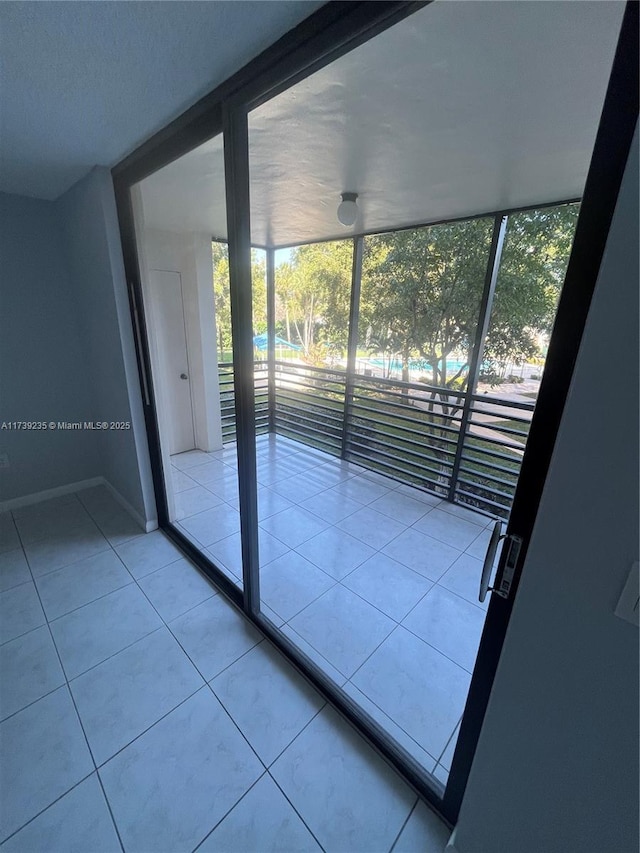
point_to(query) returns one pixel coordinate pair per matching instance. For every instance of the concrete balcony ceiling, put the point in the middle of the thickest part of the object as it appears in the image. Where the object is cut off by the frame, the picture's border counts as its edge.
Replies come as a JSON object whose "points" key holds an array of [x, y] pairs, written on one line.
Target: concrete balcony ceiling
{"points": [[460, 109]]}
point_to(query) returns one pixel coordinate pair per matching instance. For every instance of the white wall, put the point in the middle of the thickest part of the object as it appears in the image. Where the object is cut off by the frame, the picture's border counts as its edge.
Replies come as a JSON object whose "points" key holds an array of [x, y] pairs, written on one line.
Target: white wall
{"points": [[190, 256], [43, 370], [92, 242], [557, 762]]}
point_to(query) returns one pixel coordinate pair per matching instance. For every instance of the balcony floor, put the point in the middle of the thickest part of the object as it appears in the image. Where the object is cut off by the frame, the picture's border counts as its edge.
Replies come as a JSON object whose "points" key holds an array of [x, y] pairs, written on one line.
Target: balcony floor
{"points": [[375, 581], [142, 712]]}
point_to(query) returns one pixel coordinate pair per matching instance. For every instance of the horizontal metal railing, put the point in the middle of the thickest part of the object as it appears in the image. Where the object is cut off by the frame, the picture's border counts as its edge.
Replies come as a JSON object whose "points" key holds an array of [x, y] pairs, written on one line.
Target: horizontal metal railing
{"points": [[309, 404], [409, 431], [227, 399]]}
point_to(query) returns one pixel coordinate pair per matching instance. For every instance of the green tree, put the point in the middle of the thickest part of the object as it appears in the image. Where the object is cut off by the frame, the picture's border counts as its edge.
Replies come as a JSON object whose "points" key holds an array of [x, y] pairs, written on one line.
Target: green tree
{"points": [[220, 260], [421, 294], [312, 298], [532, 269]]}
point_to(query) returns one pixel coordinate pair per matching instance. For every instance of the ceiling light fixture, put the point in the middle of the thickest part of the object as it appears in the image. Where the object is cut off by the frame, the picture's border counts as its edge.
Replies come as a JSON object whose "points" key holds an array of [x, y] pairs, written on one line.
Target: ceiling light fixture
{"points": [[348, 209]]}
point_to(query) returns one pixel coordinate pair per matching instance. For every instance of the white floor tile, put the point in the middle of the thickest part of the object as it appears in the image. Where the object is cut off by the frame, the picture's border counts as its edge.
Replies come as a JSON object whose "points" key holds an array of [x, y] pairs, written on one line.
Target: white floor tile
{"points": [[46, 738], [176, 588], [227, 553], [264, 821], [30, 669], [170, 787], [404, 509], [418, 687], [299, 487], [214, 524], [388, 585], [447, 756], [119, 527], [399, 735], [293, 526], [465, 513], [270, 503], [211, 471], [226, 488], [360, 489], [20, 611], [343, 628], [179, 481], [335, 552], [126, 694], [302, 486], [441, 774], [331, 506], [51, 504], [365, 805], [267, 699], [9, 539], [52, 521], [14, 569], [148, 553], [80, 583], [314, 655], [448, 528], [78, 822], [98, 501], [424, 831], [372, 527], [419, 495], [478, 548], [93, 633], [290, 583], [381, 479], [448, 623], [463, 578], [189, 459], [47, 555], [423, 554], [214, 635]]}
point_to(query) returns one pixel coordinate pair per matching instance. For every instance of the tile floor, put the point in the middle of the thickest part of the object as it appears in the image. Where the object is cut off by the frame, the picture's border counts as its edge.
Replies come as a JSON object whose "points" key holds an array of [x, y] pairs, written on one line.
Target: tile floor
{"points": [[375, 581], [139, 711]]}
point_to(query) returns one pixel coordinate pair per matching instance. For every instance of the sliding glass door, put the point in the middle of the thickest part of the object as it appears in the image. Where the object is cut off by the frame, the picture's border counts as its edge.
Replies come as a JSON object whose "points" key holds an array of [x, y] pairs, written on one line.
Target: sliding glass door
{"points": [[339, 397]]}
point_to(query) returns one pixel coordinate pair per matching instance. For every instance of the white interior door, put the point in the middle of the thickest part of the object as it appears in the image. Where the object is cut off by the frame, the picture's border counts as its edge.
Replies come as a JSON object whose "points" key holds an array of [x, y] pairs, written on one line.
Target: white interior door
{"points": [[173, 356]]}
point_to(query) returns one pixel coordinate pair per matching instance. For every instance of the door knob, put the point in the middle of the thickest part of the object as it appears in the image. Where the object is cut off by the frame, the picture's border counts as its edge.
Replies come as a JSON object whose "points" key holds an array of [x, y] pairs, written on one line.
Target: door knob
{"points": [[183, 376]]}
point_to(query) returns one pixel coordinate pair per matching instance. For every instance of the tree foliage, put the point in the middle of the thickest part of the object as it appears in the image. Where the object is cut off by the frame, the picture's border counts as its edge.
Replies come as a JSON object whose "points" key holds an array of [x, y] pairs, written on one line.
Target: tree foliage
{"points": [[421, 293], [532, 269], [312, 299], [220, 260]]}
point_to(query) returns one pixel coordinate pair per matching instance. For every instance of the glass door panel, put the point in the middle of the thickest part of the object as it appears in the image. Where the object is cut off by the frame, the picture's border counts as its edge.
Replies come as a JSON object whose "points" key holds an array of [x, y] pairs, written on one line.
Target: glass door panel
{"points": [[185, 283], [388, 459]]}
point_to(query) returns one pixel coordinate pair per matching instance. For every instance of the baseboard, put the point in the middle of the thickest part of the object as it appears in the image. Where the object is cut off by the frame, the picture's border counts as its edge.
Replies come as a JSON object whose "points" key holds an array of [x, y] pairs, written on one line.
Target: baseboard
{"points": [[37, 497], [80, 486], [451, 846], [147, 526]]}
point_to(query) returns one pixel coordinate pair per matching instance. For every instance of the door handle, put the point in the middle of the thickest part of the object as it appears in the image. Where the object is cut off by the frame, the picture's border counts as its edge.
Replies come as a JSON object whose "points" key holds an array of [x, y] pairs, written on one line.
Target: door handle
{"points": [[505, 576], [489, 557], [183, 376]]}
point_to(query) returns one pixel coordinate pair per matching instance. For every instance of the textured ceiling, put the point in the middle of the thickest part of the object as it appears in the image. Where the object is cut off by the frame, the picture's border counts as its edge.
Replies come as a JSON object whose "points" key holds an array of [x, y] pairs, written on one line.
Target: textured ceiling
{"points": [[463, 108], [84, 83]]}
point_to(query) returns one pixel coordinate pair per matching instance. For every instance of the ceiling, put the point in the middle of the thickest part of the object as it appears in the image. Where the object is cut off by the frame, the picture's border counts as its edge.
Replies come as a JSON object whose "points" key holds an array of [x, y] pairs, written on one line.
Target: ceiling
{"points": [[84, 83], [462, 108]]}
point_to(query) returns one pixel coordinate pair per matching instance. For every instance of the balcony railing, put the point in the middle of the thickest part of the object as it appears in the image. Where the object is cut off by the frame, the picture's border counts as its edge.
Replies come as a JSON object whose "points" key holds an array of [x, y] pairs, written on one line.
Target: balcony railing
{"points": [[466, 451], [227, 399]]}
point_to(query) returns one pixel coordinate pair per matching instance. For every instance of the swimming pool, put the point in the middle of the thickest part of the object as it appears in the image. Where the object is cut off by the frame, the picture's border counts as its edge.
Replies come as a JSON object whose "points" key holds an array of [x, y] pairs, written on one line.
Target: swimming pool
{"points": [[414, 364]]}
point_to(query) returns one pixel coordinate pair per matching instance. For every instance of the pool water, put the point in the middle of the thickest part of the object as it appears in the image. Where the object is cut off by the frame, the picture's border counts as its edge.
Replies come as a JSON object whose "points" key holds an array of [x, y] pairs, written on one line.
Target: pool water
{"points": [[414, 364]]}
